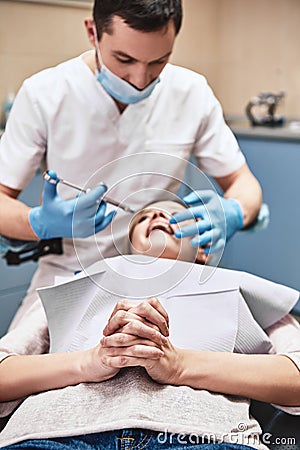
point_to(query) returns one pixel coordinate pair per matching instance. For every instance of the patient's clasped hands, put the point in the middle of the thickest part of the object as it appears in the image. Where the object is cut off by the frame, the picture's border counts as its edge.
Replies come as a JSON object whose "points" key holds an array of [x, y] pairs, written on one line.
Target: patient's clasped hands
{"points": [[136, 335]]}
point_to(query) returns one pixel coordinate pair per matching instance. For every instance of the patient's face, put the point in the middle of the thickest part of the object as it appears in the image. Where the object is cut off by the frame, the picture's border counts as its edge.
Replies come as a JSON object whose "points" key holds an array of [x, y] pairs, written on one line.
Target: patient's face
{"points": [[151, 233]]}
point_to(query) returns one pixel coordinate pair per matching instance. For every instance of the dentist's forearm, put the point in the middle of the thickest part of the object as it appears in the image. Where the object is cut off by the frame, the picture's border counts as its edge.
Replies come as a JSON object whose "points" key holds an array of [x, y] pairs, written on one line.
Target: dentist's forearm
{"points": [[268, 378], [244, 187], [14, 218]]}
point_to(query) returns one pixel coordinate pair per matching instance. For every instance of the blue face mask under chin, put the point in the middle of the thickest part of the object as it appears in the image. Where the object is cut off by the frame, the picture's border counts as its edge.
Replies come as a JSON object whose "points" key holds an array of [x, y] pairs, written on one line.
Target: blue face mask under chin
{"points": [[120, 89]]}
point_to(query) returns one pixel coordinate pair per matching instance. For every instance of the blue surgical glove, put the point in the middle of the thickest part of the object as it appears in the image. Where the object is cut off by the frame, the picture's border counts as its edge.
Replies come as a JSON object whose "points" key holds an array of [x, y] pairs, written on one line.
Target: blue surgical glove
{"points": [[79, 217], [220, 219]]}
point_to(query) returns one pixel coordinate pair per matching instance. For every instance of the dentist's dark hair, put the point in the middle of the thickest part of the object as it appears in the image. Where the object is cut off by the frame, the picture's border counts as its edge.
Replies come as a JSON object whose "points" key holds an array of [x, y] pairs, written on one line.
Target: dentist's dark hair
{"points": [[142, 15]]}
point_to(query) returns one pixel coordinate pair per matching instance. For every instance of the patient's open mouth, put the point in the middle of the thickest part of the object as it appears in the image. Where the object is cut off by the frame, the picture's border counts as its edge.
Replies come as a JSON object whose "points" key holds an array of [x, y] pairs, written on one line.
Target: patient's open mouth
{"points": [[159, 225]]}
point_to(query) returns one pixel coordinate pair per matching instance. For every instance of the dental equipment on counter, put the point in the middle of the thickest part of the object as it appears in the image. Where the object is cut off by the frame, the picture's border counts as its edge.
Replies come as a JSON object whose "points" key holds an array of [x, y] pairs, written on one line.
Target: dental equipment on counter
{"points": [[47, 177], [261, 109]]}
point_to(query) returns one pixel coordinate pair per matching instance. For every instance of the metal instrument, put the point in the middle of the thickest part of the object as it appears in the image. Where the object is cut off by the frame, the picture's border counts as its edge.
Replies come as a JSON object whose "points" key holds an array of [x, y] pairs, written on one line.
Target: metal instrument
{"points": [[121, 205]]}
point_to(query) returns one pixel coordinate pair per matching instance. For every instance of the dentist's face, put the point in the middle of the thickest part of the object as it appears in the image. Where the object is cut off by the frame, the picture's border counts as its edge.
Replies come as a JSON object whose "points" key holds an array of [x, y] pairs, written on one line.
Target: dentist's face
{"points": [[135, 56], [151, 233]]}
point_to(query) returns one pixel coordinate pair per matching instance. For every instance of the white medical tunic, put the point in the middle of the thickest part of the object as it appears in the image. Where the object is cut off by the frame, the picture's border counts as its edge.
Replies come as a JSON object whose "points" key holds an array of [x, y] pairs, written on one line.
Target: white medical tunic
{"points": [[62, 119]]}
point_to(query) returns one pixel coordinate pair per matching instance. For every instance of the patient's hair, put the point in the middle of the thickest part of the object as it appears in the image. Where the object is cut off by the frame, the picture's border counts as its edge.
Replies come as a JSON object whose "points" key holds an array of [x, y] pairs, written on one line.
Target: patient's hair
{"points": [[142, 15]]}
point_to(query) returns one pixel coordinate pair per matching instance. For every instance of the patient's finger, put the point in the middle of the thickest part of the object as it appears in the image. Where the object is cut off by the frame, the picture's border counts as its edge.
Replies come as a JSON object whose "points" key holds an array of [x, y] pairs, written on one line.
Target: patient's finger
{"points": [[130, 356], [138, 318], [135, 328], [154, 301], [153, 312], [150, 311], [145, 311], [124, 305], [118, 320], [157, 305], [124, 340], [133, 324], [142, 330]]}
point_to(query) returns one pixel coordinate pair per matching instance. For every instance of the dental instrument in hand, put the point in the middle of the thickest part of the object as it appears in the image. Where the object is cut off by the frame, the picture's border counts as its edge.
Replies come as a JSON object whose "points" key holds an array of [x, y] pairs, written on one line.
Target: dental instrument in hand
{"points": [[48, 178]]}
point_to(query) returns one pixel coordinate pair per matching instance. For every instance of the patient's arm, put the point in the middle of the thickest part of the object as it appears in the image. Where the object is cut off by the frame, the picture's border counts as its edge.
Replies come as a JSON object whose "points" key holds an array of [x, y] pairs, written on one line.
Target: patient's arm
{"points": [[269, 378], [22, 375]]}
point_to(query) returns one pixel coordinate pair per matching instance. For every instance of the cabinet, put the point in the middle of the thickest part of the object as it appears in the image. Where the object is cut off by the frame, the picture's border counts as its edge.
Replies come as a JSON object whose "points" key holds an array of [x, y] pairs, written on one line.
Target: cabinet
{"points": [[14, 280]]}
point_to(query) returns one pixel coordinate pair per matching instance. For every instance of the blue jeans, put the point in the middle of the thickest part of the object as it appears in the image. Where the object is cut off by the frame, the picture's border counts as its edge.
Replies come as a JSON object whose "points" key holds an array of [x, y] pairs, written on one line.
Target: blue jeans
{"points": [[131, 439]]}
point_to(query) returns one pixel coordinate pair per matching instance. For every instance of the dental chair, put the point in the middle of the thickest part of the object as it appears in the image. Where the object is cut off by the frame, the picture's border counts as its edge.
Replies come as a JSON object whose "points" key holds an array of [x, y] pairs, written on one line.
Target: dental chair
{"points": [[281, 431]]}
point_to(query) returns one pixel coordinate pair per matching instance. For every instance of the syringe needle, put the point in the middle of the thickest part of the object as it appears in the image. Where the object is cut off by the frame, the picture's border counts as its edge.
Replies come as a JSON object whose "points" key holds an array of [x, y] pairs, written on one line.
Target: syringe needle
{"points": [[126, 208]]}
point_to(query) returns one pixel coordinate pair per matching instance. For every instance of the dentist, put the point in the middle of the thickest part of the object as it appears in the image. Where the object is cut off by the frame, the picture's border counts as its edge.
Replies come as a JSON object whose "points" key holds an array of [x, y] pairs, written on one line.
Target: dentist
{"points": [[114, 113]]}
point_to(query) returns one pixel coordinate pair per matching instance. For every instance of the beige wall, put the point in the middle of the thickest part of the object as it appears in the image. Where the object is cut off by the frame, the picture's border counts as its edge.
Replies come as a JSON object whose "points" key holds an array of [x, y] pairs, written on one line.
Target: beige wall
{"points": [[33, 37], [242, 46]]}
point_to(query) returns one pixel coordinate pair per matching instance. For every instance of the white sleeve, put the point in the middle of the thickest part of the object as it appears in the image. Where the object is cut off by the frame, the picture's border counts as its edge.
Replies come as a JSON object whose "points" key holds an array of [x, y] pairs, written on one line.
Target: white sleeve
{"points": [[30, 337], [217, 150], [23, 144], [285, 336]]}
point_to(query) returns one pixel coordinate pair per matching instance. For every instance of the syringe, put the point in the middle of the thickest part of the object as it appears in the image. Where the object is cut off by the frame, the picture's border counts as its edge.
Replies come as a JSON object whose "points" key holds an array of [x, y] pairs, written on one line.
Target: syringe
{"points": [[47, 177]]}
